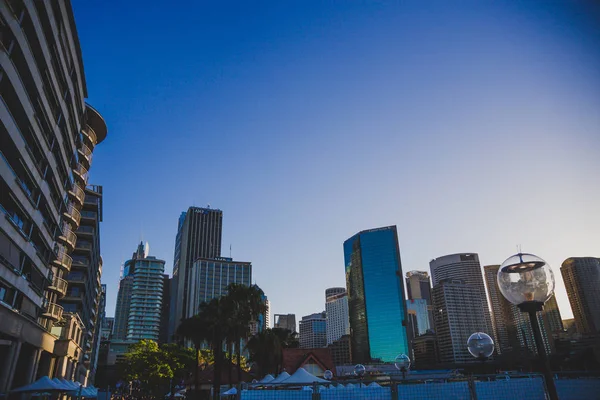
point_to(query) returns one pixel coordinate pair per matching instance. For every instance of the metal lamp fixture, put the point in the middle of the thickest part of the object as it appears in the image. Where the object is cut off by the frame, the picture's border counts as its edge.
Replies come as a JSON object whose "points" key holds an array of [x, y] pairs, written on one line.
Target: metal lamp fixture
{"points": [[527, 281]]}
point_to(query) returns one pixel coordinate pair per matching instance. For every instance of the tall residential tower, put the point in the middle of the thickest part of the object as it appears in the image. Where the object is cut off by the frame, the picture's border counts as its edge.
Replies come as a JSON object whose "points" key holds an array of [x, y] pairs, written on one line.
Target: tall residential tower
{"points": [[336, 308]]}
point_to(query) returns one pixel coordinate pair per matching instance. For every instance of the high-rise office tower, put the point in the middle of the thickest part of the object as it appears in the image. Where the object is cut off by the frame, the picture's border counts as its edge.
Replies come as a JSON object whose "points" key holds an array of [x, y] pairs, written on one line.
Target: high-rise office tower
{"points": [[418, 285], [313, 331], [263, 321], [582, 280], [107, 328], [198, 236], [376, 306], [336, 309], [459, 313], [512, 327], [285, 321], [419, 305], [84, 293], [210, 278], [47, 138], [146, 295], [122, 308], [464, 266]]}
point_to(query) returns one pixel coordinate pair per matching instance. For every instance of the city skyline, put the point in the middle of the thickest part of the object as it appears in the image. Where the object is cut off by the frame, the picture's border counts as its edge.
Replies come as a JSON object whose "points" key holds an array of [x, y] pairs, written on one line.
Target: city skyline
{"points": [[277, 116]]}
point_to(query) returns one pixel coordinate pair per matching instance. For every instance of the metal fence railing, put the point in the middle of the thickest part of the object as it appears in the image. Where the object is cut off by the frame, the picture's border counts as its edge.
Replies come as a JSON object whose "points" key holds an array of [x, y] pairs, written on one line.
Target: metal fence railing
{"points": [[482, 387]]}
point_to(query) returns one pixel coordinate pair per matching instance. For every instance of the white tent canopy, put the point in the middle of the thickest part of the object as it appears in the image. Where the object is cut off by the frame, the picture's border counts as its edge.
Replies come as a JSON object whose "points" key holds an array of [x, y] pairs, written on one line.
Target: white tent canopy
{"points": [[301, 376], [69, 385], [229, 392], [44, 384], [283, 376], [267, 379]]}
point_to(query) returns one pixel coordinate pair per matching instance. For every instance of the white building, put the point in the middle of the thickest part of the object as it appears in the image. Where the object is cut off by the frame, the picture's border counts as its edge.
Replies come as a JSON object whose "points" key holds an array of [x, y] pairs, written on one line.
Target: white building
{"points": [[336, 309]]}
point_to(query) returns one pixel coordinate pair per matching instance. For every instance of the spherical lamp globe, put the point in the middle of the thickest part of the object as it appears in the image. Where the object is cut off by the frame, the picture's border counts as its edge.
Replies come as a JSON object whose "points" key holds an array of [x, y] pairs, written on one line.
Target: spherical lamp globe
{"points": [[328, 375], [480, 345], [402, 362], [525, 278], [359, 370]]}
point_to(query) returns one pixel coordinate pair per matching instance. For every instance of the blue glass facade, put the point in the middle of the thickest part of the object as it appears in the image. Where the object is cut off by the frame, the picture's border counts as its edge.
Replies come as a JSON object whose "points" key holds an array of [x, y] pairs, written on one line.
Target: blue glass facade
{"points": [[421, 310], [376, 303]]}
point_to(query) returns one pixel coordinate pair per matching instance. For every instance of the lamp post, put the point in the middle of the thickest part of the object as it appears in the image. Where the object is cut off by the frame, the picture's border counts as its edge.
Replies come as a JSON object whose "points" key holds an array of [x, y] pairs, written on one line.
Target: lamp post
{"points": [[480, 345], [402, 364], [360, 370], [527, 281]]}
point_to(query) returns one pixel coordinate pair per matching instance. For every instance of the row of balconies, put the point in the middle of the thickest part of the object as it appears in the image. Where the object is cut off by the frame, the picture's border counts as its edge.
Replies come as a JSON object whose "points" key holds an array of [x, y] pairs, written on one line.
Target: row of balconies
{"points": [[67, 238]]}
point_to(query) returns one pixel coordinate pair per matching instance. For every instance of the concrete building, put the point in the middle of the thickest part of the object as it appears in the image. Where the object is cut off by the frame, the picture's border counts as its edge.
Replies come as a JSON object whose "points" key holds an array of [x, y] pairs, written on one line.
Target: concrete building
{"points": [[582, 281], [285, 321], [122, 308], [47, 138], [425, 351], [313, 331], [199, 232], [163, 336], [84, 293], [106, 329], [466, 267], [459, 313], [376, 306], [418, 285], [336, 308], [341, 351]]}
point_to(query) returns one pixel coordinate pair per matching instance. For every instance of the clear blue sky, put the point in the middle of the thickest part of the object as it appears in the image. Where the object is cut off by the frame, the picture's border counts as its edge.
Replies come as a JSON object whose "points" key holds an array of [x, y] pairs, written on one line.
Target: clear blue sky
{"points": [[471, 127]]}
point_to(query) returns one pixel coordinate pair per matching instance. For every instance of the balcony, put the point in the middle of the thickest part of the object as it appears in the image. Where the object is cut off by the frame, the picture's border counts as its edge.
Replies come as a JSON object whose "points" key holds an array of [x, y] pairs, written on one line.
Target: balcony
{"points": [[90, 136], [85, 230], [68, 238], [83, 246], [72, 216], [63, 260], [73, 297], [59, 286], [53, 311], [77, 194], [81, 173], [85, 155]]}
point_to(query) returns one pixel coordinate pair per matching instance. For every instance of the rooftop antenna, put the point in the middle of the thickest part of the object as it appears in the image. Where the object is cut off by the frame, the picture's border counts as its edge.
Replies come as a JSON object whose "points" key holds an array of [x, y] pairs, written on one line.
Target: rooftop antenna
{"points": [[230, 250], [208, 206], [519, 249]]}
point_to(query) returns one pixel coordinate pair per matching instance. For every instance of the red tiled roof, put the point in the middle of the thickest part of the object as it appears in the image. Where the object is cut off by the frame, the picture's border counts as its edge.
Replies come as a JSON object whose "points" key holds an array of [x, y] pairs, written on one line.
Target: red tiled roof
{"points": [[296, 358]]}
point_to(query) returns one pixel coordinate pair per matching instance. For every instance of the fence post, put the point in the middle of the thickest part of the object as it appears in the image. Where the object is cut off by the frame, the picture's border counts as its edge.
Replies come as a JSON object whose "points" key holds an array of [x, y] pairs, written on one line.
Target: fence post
{"points": [[238, 394], [315, 394], [394, 390], [472, 388]]}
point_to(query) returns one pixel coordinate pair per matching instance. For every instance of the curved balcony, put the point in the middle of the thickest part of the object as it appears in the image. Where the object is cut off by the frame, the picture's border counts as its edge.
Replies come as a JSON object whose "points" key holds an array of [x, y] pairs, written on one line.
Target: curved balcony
{"points": [[81, 173], [63, 260], [53, 311], [85, 155], [90, 136], [59, 286], [72, 216], [77, 195], [68, 238]]}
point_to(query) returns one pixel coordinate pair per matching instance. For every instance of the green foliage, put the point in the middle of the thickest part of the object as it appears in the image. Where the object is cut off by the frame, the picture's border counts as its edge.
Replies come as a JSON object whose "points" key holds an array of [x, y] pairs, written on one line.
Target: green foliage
{"points": [[265, 350], [155, 366]]}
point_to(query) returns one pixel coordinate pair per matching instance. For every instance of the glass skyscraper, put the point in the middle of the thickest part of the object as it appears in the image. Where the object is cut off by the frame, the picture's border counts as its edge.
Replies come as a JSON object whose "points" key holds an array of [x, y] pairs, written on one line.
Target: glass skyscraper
{"points": [[375, 295]]}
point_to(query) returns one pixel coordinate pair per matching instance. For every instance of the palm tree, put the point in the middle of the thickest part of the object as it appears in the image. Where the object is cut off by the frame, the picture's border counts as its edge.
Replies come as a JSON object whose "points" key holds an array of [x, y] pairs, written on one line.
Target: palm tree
{"points": [[288, 339], [266, 351], [246, 304], [208, 327]]}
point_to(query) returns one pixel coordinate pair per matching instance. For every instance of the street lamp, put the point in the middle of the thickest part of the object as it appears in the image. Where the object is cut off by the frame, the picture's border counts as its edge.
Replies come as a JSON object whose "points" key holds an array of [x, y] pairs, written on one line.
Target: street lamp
{"points": [[402, 363], [527, 281], [328, 375], [480, 345], [359, 370]]}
